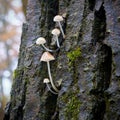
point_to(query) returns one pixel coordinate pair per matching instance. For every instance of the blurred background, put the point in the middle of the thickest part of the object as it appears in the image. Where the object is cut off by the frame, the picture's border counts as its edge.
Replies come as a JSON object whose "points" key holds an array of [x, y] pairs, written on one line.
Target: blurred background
{"points": [[12, 14]]}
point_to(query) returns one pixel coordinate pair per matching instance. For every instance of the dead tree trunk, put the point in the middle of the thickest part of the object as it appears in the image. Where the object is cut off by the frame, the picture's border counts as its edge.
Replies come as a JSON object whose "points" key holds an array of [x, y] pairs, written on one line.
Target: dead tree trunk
{"points": [[88, 63]]}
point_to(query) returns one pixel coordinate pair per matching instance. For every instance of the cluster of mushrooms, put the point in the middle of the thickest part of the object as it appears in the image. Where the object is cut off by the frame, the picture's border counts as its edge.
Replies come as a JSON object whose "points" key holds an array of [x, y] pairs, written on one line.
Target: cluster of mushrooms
{"points": [[47, 56]]}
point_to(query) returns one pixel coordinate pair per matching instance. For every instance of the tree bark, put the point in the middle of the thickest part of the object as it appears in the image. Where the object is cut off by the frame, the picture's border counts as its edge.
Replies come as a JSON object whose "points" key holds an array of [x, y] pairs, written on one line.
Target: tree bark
{"points": [[88, 63]]}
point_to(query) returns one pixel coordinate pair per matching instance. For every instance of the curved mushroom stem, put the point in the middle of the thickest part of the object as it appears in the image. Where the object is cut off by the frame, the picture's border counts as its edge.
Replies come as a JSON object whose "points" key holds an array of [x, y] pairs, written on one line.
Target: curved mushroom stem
{"points": [[61, 29], [54, 87], [58, 44], [50, 89], [49, 49]]}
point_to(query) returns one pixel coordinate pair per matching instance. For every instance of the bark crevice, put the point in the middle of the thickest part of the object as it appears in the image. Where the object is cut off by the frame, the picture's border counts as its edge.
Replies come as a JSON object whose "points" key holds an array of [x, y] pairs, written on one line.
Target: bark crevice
{"points": [[103, 66], [99, 26]]}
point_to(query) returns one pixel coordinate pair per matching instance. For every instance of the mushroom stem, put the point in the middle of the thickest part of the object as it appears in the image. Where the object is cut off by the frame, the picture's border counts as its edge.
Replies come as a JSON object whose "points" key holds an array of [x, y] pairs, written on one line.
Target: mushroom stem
{"points": [[49, 49], [54, 87], [50, 89], [61, 29], [58, 44]]}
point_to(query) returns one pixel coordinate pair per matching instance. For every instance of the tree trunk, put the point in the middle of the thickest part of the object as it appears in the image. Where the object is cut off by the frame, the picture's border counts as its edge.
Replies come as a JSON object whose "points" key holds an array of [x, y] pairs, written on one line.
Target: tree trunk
{"points": [[88, 63]]}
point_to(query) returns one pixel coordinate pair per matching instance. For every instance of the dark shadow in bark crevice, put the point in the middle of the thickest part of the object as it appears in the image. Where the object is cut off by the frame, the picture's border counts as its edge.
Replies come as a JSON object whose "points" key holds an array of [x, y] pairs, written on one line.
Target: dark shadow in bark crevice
{"points": [[99, 26], [91, 4], [103, 66]]}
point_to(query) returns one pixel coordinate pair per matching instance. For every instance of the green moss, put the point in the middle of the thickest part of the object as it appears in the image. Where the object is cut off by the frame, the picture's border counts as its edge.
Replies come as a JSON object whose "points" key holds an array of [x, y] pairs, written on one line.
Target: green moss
{"points": [[72, 108], [13, 74], [73, 55], [16, 73]]}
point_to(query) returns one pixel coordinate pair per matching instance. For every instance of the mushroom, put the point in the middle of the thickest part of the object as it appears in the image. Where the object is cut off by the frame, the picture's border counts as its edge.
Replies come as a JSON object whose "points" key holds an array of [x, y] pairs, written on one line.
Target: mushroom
{"points": [[58, 19], [47, 57], [59, 82], [56, 33], [42, 41], [64, 15], [46, 80]]}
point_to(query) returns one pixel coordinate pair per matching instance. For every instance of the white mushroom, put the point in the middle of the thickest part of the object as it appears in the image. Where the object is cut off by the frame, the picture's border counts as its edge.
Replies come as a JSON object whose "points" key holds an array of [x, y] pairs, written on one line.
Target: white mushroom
{"points": [[47, 57], [46, 80], [64, 15], [58, 19], [56, 33], [59, 82], [42, 41]]}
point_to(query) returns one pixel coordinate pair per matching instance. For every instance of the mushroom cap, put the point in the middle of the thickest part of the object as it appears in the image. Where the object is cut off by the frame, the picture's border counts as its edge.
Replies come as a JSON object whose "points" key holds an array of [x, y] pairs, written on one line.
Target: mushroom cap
{"points": [[46, 80], [64, 15], [46, 56], [55, 32], [40, 41], [58, 18]]}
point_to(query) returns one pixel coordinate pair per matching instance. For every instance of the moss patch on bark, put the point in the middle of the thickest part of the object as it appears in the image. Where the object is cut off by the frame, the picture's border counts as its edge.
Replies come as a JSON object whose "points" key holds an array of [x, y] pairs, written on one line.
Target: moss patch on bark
{"points": [[73, 55]]}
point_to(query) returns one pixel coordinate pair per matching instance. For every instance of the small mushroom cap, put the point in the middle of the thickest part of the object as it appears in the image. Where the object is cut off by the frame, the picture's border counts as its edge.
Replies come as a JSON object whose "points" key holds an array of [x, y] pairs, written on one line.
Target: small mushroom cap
{"points": [[46, 56], [55, 32], [46, 80], [58, 18], [59, 82], [64, 15], [40, 41]]}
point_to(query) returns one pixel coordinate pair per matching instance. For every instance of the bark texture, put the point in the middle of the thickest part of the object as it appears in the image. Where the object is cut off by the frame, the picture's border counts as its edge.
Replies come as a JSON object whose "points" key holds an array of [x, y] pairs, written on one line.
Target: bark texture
{"points": [[88, 63]]}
